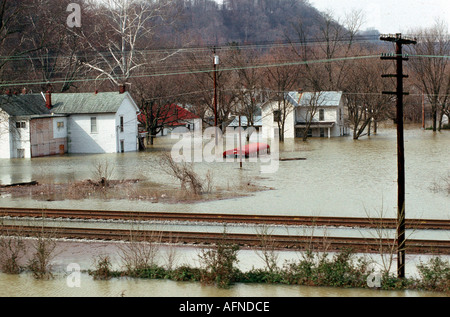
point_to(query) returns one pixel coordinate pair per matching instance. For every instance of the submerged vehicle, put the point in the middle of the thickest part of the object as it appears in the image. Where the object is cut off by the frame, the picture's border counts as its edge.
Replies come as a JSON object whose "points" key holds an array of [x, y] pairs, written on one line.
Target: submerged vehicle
{"points": [[248, 150]]}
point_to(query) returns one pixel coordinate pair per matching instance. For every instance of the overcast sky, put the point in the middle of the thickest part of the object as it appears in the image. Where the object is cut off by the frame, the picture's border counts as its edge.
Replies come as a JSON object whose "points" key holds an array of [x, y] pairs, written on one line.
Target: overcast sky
{"points": [[390, 16]]}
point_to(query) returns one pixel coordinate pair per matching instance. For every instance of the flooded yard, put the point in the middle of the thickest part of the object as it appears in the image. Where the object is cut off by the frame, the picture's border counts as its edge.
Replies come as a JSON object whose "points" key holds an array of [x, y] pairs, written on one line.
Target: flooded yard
{"points": [[337, 177]]}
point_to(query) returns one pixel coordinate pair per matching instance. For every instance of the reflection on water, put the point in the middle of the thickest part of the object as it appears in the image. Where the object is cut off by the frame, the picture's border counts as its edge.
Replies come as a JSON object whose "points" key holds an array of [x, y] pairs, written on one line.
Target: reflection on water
{"points": [[340, 176], [84, 253], [25, 285]]}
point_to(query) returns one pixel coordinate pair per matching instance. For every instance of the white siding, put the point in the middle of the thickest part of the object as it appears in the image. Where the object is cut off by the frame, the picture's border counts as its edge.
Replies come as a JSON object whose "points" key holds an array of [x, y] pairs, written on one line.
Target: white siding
{"points": [[58, 130], [81, 140], [5, 146], [130, 127], [269, 125], [20, 139]]}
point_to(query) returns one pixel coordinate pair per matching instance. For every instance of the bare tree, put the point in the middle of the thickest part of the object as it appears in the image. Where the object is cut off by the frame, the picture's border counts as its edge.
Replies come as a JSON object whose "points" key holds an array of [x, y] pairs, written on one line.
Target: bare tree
{"points": [[333, 42], [156, 101], [280, 80], [56, 54], [202, 76], [432, 68], [248, 82], [308, 109], [184, 172], [365, 102], [127, 30]]}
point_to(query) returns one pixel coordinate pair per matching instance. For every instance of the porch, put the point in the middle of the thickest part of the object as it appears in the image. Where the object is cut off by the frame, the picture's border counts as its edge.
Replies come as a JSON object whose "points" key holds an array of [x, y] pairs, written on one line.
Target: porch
{"points": [[315, 126]]}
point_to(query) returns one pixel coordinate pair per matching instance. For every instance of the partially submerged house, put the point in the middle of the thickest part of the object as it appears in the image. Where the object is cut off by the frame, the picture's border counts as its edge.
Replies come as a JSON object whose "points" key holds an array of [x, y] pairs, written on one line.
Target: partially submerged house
{"points": [[103, 122], [320, 114], [33, 125], [164, 119], [27, 127], [257, 124]]}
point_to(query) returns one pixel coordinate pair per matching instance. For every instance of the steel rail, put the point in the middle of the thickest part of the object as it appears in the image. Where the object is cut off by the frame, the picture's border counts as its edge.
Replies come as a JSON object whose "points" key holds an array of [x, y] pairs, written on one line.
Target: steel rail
{"points": [[441, 224], [364, 245]]}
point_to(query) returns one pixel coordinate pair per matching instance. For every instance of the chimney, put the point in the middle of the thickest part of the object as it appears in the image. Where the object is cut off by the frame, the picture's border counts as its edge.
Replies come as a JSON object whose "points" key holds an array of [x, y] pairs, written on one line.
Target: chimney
{"points": [[122, 88], [48, 99], [300, 94]]}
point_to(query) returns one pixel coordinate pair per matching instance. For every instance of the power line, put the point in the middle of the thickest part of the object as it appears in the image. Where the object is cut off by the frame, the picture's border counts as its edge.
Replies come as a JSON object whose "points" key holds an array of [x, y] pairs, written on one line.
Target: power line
{"points": [[178, 73], [206, 70]]}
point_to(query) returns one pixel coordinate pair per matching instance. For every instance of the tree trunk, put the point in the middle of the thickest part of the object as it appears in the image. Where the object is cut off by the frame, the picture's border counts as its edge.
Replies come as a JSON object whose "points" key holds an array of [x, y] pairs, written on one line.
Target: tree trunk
{"points": [[434, 119]]}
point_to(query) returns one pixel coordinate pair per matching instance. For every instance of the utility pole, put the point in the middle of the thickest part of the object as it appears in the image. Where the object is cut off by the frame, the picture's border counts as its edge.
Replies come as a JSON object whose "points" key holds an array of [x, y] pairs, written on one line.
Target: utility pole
{"points": [[216, 62], [240, 143], [399, 58], [423, 110]]}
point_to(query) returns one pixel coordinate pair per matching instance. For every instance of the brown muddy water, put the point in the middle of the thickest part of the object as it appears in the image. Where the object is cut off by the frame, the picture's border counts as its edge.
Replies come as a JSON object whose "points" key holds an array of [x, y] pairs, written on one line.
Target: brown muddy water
{"points": [[339, 177]]}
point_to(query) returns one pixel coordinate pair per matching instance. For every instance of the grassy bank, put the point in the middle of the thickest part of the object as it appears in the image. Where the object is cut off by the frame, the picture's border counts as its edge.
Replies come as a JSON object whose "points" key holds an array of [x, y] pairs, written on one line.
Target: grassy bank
{"points": [[218, 266]]}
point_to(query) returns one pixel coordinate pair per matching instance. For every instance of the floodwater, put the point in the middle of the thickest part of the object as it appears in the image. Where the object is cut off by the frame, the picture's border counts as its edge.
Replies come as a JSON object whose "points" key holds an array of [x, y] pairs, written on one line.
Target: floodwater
{"points": [[65, 284], [339, 177]]}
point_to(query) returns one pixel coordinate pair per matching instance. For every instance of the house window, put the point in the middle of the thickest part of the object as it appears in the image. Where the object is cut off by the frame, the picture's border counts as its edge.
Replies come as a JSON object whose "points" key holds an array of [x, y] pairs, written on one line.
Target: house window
{"points": [[321, 114], [121, 123], [94, 125], [277, 116], [21, 124], [60, 125]]}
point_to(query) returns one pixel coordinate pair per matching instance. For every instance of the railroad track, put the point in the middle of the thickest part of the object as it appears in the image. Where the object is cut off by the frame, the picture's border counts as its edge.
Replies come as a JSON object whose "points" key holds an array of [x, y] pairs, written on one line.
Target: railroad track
{"points": [[366, 245], [387, 223]]}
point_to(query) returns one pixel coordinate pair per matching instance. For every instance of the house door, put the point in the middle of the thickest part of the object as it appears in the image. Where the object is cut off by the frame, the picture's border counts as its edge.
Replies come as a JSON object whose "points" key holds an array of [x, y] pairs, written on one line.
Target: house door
{"points": [[122, 146], [322, 132], [20, 153]]}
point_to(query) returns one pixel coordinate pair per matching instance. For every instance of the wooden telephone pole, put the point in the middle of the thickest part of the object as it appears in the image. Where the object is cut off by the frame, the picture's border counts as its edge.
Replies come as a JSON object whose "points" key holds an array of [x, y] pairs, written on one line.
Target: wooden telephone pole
{"points": [[215, 63], [399, 58]]}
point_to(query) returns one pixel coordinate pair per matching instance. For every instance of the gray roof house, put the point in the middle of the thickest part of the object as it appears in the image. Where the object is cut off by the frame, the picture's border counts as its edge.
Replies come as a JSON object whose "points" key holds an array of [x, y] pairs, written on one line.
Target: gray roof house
{"points": [[31, 124], [320, 114]]}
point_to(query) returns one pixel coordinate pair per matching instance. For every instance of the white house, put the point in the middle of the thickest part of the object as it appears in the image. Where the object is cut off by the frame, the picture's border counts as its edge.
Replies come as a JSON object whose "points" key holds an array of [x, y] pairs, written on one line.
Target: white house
{"points": [[16, 115], [98, 122], [257, 124], [39, 125], [322, 111]]}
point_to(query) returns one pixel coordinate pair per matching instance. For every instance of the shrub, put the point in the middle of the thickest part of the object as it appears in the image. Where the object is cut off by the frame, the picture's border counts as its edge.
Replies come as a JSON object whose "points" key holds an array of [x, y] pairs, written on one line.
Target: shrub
{"points": [[40, 262], [435, 275], [219, 264], [102, 268], [12, 249], [186, 273]]}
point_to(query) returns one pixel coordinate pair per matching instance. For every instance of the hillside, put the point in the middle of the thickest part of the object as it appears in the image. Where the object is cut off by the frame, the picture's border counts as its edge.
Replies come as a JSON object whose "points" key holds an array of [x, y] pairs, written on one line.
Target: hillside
{"points": [[245, 21]]}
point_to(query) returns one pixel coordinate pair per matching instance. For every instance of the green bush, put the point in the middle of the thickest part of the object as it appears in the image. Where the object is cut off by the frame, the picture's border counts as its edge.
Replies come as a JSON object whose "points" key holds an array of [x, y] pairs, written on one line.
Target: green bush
{"points": [[102, 268], [186, 273], [435, 275], [219, 265], [320, 270], [151, 272]]}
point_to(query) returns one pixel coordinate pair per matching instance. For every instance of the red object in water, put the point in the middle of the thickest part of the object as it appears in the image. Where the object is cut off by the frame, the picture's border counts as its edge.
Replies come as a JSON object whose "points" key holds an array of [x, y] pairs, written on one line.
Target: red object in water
{"points": [[252, 149]]}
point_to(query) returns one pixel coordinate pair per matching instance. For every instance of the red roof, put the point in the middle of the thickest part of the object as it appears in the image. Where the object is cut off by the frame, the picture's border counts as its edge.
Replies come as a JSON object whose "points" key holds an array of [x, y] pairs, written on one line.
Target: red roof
{"points": [[171, 115]]}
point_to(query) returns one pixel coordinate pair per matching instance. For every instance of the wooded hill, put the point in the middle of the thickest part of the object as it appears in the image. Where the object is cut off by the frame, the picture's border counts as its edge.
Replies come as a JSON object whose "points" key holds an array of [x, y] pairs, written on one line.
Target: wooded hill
{"points": [[246, 21]]}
